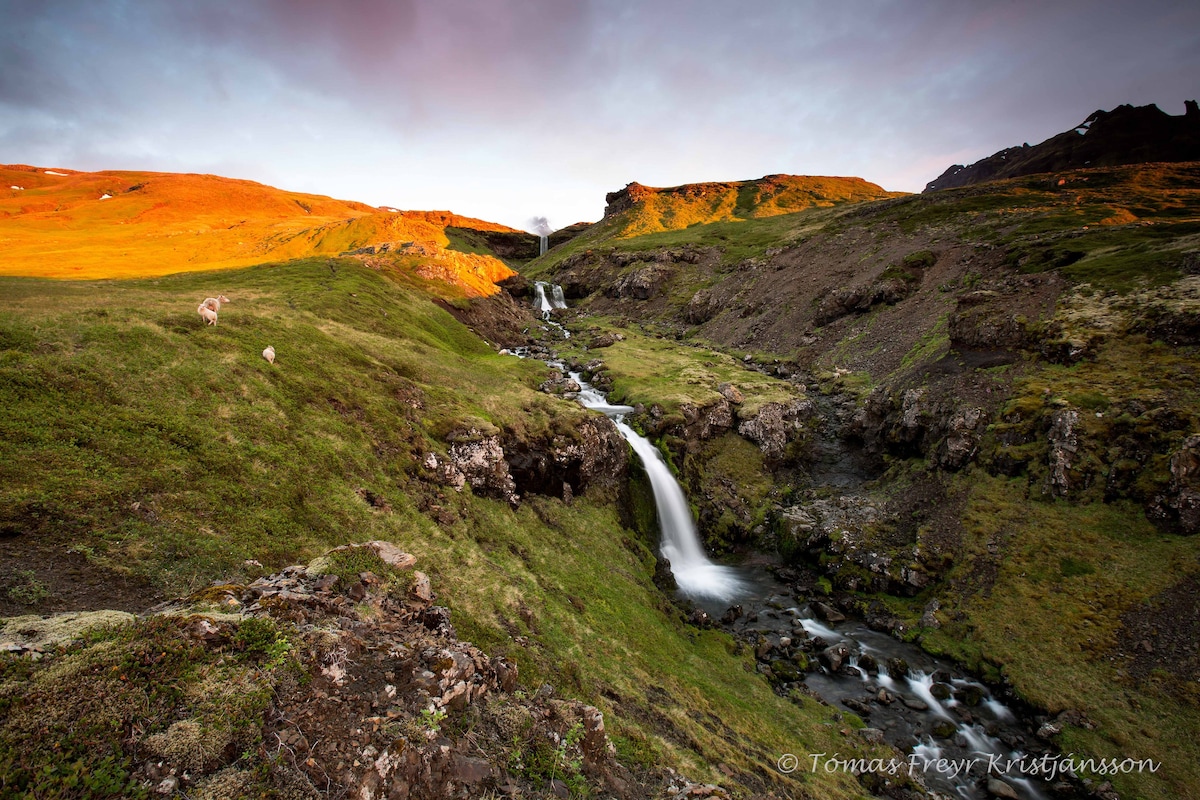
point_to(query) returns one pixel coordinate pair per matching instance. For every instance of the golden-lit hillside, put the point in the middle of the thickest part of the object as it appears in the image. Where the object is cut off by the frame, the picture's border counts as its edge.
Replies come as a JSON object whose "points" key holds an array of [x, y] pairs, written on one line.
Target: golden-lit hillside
{"points": [[637, 210], [59, 223]]}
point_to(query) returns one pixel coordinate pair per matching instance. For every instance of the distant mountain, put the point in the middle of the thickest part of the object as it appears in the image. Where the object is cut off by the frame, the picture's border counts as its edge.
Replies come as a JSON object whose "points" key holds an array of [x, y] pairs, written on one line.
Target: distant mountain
{"points": [[62, 223], [638, 209], [1125, 135]]}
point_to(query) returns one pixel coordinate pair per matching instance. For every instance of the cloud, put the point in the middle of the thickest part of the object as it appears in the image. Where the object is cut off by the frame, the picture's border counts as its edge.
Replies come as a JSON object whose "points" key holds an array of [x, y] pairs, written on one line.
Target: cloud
{"points": [[451, 98]]}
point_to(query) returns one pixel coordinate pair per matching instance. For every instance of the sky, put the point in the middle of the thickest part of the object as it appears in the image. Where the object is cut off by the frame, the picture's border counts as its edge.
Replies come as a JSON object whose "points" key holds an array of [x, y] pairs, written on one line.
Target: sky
{"points": [[510, 110]]}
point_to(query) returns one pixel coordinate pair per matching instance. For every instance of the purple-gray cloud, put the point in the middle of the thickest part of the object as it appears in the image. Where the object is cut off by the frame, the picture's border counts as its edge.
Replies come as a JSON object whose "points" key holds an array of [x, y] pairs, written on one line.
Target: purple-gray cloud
{"points": [[473, 104]]}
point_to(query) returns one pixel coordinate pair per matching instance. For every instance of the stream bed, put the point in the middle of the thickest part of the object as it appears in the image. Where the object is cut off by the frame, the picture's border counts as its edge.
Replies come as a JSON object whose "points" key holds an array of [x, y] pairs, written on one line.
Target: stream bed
{"points": [[958, 738]]}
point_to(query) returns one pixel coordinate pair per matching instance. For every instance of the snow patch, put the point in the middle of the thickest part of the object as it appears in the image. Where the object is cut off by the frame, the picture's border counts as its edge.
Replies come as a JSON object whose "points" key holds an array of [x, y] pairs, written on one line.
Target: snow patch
{"points": [[105, 196], [52, 172], [18, 188]]}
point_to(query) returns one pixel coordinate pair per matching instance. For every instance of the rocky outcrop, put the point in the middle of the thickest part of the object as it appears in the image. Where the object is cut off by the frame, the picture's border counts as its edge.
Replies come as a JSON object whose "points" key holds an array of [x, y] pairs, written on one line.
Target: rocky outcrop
{"points": [[1063, 453], [1178, 508], [642, 283], [850, 535], [920, 421], [480, 460], [777, 426], [566, 466], [704, 422]]}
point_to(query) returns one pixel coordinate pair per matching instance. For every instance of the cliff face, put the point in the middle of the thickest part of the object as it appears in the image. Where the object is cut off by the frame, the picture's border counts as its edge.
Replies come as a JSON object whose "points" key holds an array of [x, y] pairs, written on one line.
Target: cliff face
{"points": [[1126, 135]]}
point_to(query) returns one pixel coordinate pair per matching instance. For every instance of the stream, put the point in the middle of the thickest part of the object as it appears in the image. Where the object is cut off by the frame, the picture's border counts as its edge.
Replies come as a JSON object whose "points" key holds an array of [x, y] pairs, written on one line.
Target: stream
{"points": [[958, 738]]}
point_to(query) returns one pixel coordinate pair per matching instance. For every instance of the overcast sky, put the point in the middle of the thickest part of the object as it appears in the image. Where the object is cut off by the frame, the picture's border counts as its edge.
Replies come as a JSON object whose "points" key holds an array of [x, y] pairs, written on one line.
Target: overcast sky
{"points": [[513, 109]]}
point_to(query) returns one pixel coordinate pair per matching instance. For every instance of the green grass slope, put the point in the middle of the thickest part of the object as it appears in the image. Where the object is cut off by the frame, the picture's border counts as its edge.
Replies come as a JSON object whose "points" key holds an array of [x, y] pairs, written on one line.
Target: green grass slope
{"points": [[144, 448]]}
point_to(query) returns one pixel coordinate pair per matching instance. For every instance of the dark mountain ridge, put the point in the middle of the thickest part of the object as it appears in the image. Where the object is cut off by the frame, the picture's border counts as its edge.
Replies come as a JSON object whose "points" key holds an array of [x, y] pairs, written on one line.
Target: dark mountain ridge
{"points": [[1126, 135]]}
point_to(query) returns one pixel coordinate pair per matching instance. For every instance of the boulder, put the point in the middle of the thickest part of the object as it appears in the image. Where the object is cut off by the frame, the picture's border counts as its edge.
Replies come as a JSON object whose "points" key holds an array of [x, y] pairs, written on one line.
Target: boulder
{"points": [[834, 656]]}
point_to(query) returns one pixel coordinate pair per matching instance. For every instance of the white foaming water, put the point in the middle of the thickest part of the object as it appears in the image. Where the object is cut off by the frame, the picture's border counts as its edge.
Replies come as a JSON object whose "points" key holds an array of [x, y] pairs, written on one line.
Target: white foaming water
{"points": [[542, 243], [927, 751], [695, 574], [815, 628], [539, 300], [920, 684], [978, 741], [545, 304], [999, 710]]}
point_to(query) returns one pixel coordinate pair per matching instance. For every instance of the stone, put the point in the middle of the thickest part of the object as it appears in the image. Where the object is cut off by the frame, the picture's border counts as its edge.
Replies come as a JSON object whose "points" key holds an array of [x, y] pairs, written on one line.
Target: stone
{"points": [[871, 735], [943, 728], [731, 393], [828, 613], [998, 788], [833, 657], [421, 591], [857, 706]]}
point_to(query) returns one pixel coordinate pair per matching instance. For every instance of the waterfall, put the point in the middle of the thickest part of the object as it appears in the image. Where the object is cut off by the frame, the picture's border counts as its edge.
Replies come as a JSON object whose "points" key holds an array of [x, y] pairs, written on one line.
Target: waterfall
{"points": [[543, 242], [695, 574], [539, 299], [545, 304]]}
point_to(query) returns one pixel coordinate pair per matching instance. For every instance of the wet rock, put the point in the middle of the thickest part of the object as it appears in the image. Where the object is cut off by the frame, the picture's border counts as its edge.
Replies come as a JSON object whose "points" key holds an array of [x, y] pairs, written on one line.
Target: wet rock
{"points": [[857, 706], [834, 657], [943, 729], [897, 668], [941, 691], [914, 703], [868, 664], [969, 695], [1000, 789], [828, 613]]}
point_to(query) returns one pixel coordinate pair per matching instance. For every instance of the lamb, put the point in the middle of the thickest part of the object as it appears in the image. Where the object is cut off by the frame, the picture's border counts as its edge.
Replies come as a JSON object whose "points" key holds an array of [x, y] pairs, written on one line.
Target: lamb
{"points": [[208, 314], [214, 303], [269, 354]]}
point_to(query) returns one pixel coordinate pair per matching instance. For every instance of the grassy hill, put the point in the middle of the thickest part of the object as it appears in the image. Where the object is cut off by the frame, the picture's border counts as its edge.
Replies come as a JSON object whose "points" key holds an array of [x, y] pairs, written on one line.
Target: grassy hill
{"points": [[64, 224], [638, 210], [144, 455]]}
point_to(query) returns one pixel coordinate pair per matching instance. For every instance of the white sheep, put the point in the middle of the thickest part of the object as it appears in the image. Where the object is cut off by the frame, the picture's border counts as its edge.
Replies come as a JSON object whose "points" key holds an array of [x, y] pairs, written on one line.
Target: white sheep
{"points": [[214, 303], [269, 354], [208, 314]]}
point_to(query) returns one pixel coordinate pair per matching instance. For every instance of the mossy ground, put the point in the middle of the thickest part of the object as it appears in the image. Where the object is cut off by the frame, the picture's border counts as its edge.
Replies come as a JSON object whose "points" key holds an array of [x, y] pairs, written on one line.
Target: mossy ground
{"points": [[173, 451]]}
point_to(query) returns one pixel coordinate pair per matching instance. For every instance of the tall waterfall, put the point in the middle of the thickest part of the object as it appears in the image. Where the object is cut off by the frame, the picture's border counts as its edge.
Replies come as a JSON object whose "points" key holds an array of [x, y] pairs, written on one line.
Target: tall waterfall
{"points": [[695, 574], [544, 242]]}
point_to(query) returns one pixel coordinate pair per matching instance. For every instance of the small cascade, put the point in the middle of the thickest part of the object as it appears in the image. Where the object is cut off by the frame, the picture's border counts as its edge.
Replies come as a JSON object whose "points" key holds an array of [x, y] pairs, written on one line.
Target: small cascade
{"points": [[539, 300], [546, 303]]}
